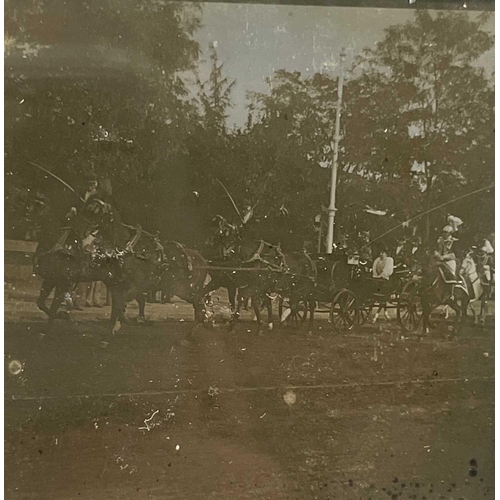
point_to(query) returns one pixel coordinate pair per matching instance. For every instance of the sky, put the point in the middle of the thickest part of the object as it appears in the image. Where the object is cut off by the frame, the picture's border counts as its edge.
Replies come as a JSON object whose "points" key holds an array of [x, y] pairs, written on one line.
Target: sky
{"points": [[255, 40]]}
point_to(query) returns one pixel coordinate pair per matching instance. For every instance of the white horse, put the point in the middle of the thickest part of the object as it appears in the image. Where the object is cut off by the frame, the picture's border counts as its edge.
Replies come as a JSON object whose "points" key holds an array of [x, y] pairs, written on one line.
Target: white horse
{"points": [[468, 270]]}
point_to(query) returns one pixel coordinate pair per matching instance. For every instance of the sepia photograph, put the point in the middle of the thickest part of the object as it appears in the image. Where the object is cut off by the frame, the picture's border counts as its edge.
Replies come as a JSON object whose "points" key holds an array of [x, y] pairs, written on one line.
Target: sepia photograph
{"points": [[249, 250]]}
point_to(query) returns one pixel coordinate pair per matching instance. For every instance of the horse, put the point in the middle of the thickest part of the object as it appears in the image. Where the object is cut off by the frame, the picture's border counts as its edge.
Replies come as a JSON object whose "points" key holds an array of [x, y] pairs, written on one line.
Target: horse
{"points": [[439, 288], [128, 264], [480, 292], [262, 262], [298, 284], [184, 272], [61, 260], [149, 265]]}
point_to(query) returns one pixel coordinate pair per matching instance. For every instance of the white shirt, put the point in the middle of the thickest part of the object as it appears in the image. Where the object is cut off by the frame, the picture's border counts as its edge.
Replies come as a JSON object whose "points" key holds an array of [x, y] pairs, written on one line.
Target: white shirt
{"points": [[383, 267]]}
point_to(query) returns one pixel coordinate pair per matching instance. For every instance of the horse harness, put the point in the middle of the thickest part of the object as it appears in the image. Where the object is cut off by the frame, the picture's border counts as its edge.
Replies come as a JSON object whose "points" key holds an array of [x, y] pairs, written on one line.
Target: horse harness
{"points": [[257, 257]]}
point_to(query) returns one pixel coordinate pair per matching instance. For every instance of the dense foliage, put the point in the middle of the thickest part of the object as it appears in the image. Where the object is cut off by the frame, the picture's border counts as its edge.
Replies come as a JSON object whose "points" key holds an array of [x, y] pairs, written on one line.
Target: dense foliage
{"points": [[101, 87]]}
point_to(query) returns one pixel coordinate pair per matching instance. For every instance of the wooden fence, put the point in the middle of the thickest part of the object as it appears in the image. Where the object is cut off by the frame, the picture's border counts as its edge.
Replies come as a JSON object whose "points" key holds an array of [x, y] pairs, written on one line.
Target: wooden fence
{"points": [[18, 259]]}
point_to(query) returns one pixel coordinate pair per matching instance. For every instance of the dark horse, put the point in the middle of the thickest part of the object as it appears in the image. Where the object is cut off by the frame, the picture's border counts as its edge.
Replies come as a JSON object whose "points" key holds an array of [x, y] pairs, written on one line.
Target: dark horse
{"points": [[254, 269], [62, 261], [128, 262], [149, 265], [183, 273], [439, 287], [298, 285]]}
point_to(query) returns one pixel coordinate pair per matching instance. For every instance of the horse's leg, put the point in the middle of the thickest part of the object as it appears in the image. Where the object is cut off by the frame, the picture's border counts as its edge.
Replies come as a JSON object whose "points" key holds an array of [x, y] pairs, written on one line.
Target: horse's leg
{"points": [[54, 307], [236, 301], [483, 312], [141, 301], [199, 306], [295, 308], [45, 290], [465, 305], [446, 311], [460, 309], [231, 294], [117, 305], [312, 307], [474, 315], [270, 319], [426, 314], [306, 309], [376, 315], [256, 303], [386, 314]]}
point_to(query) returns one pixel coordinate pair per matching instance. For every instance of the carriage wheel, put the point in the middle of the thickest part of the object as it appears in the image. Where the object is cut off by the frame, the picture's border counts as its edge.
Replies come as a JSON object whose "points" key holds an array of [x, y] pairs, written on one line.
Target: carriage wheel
{"points": [[343, 311], [409, 307]]}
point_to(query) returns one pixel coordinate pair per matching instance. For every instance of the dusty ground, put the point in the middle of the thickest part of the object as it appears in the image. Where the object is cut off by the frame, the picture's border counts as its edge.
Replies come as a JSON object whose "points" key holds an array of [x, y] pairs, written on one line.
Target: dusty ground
{"points": [[164, 412]]}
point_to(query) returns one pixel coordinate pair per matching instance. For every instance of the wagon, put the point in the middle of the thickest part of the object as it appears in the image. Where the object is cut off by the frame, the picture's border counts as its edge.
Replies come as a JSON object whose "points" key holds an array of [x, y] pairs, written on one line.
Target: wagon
{"points": [[347, 292]]}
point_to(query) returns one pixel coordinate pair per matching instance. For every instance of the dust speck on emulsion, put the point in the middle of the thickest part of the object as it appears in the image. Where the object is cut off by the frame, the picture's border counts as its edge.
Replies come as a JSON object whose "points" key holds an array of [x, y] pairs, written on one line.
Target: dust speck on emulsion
{"points": [[15, 367], [290, 398]]}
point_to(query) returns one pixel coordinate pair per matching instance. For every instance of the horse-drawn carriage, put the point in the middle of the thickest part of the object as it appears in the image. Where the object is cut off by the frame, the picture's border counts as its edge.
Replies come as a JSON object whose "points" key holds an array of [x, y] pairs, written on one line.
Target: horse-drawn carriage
{"points": [[347, 291]]}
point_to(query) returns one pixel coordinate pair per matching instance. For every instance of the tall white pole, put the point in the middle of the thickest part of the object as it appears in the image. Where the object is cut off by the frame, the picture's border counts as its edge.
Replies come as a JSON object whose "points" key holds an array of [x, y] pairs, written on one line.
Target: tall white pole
{"points": [[336, 140]]}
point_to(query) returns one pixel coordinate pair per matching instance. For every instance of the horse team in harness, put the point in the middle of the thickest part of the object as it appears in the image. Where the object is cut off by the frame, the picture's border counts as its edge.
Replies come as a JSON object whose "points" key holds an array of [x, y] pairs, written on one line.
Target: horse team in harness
{"points": [[95, 245]]}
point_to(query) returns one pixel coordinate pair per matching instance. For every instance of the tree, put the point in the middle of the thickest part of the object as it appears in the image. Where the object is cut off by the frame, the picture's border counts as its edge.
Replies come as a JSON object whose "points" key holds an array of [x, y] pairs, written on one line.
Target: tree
{"points": [[214, 97], [119, 106], [211, 146], [417, 101]]}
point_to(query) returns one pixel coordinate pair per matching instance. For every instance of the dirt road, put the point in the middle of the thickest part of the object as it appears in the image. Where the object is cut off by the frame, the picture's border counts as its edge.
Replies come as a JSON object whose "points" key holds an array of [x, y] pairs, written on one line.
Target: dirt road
{"points": [[161, 413]]}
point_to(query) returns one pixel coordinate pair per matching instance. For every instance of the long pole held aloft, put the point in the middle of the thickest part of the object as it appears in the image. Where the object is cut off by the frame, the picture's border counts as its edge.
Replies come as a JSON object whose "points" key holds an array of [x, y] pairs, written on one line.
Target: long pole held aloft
{"points": [[454, 200], [231, 199], [336, 140], [54, 176]]}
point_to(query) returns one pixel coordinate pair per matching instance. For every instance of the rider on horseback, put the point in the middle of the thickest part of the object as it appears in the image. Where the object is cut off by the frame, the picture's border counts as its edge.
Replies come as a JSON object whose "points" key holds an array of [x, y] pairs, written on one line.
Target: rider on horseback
{"points": [[447, 261], [224, 238], [402, 253], [485, 264]]}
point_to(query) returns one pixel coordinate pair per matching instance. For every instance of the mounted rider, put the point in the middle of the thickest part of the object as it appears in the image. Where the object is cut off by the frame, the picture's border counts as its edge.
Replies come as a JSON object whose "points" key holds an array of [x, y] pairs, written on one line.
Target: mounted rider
{"points": [[486, 264], [402, 253], [223, 240], [447, 260]]}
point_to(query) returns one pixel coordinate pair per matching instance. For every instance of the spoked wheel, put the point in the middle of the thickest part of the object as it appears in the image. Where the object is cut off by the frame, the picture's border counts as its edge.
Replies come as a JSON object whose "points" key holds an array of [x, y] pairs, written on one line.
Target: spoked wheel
{"points": [[295, 316], [409, 307], [344, 311]]}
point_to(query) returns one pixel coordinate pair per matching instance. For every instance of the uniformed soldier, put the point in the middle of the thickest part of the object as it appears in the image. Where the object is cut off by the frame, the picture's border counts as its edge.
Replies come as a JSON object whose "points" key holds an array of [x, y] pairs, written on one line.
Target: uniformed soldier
{"points": [[444, 251], [485, 264]]}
